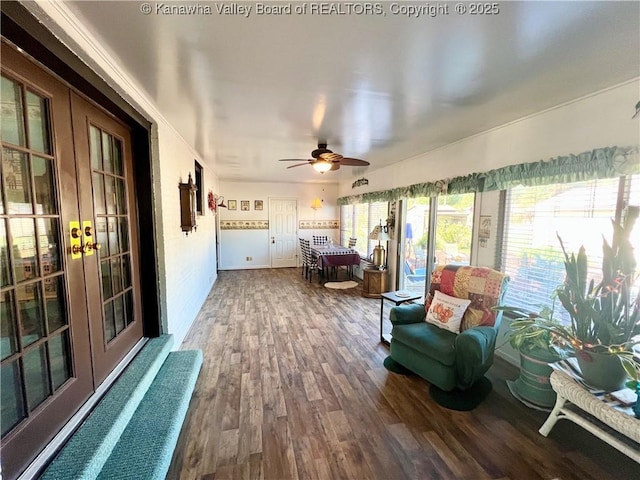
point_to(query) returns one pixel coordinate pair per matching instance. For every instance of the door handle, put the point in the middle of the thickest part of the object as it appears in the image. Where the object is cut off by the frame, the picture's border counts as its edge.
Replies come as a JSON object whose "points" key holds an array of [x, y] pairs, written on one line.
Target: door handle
{"points": [[78, 250], [273, 239], [87, 231], [77, 235]]}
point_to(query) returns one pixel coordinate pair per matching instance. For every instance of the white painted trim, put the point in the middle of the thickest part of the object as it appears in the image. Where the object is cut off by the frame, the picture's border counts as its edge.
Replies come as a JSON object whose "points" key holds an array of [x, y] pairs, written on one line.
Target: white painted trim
{"points": [[67, 431]]}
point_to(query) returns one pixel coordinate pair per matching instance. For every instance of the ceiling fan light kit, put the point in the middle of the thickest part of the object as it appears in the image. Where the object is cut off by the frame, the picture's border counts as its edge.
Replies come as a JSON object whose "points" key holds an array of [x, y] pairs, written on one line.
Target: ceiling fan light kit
{"points": [[322, 165], [324, 160]]}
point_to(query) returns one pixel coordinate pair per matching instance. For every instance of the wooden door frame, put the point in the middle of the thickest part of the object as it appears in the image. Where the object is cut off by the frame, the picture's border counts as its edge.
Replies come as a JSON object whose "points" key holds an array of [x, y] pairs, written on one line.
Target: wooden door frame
{"points": [[22, 29]]}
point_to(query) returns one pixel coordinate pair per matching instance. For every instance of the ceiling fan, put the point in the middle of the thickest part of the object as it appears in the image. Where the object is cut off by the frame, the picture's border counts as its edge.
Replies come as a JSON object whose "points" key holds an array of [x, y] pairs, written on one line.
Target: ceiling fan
{"points": [[322, 160]]}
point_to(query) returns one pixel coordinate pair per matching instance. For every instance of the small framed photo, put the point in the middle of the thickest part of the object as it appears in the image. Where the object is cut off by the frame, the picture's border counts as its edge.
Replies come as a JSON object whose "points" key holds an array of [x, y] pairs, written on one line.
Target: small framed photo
{"points": [[258, 205], [233, 205], [244, 205]]}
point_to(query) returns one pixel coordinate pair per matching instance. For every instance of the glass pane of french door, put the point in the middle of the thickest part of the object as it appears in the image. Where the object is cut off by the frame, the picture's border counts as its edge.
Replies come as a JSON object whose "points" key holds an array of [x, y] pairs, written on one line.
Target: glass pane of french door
{"points": [[35, 350], [454, 228], [112, 230], [416, 234], [453, 231]]}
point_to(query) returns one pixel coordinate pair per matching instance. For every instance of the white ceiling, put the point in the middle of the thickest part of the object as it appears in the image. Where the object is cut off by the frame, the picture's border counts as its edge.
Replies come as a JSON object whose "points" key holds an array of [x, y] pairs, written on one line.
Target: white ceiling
{"points": [[246, 92]]}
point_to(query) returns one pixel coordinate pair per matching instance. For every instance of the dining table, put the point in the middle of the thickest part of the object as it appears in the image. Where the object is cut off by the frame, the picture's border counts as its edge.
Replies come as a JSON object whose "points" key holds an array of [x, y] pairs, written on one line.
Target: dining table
{"points": [[333, 256]]}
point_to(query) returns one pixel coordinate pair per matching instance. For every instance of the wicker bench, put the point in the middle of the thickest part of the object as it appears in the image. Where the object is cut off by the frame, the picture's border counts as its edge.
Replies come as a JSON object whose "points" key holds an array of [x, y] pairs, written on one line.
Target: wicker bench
{"points": [[574, 402]]}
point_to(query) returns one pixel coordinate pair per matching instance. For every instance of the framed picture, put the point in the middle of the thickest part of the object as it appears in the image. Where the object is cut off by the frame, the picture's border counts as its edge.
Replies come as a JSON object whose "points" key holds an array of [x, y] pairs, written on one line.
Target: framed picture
{"points": [[484, 234], [232, 205], [244, 205], [257, 205]]}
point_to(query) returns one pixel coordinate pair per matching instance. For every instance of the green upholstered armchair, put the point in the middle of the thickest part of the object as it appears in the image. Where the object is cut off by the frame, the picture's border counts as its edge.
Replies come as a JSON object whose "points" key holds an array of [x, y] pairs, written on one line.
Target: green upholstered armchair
{"points": [[446, 359]]}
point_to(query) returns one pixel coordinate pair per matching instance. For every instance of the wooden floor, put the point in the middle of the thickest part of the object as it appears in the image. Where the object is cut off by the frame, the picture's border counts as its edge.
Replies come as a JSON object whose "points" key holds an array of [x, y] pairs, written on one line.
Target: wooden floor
{"points": [[293, 386]]}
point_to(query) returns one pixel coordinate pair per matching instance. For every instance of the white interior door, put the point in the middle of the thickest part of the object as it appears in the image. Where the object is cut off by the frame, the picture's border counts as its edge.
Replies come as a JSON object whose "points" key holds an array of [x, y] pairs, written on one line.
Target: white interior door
{"points": [[283, 232]]}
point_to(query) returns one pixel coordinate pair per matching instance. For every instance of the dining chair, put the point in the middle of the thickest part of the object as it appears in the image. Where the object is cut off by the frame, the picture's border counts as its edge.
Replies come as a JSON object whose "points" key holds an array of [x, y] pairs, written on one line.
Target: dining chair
{"points": [[352, 243], [310, 260], [320, 239], [303, 258]]}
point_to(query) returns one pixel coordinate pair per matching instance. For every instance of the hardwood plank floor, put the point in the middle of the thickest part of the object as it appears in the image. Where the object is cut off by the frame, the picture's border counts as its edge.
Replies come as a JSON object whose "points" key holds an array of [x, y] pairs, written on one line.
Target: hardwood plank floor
{"points": [[293, 386]]}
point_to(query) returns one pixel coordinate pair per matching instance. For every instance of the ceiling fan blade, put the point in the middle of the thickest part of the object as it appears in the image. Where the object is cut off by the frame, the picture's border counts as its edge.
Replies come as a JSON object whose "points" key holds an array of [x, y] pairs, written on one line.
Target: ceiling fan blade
{"points": [[355, 162], [329, 156], [335, 166], [294, 160], [299, 165]]}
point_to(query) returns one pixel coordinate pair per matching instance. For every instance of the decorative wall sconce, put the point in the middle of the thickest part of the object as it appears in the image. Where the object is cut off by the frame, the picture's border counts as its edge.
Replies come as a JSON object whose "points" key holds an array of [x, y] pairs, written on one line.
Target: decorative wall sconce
{"points": [[316, 204], [220, 201], [188, 205]]}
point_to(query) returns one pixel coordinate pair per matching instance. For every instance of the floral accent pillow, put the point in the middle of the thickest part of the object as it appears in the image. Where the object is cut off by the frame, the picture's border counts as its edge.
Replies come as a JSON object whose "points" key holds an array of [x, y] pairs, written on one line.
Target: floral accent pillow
{"points": [[446, 311]]}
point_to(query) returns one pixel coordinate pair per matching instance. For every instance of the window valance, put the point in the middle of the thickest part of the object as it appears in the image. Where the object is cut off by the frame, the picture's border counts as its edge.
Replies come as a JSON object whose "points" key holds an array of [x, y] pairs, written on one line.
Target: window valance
{"points": [[607, 162]]}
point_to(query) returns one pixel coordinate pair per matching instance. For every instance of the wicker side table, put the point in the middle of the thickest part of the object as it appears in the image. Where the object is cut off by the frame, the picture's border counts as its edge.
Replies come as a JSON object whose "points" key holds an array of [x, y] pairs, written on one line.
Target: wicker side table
{"points": [[576, 403]]}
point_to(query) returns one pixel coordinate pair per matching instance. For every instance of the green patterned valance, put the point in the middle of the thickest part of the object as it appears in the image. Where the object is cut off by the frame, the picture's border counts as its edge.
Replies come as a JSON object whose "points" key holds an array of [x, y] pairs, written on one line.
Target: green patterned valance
{"points": [[605, 162]]}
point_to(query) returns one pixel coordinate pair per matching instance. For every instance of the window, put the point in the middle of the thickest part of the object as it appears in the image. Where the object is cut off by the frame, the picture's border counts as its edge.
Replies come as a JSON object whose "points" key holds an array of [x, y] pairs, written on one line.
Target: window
{"points": [[580, 213], [357, 221], [453, 231], [199, 191]]}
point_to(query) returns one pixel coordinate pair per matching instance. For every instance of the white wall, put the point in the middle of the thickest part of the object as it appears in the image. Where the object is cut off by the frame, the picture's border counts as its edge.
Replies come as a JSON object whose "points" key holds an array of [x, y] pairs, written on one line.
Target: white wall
{"points": [[186, 264], [237, 245]]}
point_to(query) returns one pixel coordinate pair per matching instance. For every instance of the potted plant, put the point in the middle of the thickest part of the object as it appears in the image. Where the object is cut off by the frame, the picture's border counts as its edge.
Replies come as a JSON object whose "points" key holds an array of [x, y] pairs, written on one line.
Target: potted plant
{"points": [[537, 349], [604, 317]]}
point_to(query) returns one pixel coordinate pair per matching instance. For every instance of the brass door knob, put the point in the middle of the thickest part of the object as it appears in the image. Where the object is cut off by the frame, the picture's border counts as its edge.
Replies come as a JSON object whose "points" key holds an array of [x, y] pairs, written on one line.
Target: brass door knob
{"points": [[94, 246]]}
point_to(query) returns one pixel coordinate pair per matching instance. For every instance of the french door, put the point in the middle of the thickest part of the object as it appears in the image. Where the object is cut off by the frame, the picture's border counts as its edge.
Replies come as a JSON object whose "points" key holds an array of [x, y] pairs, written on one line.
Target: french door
{"points": [[69, 279], [437, 231]]}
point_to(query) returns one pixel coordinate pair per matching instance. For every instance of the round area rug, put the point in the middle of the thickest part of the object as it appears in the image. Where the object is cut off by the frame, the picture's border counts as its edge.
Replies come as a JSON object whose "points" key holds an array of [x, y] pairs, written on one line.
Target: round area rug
{"points": [[393, 366], [341, 285], [462, 400]]}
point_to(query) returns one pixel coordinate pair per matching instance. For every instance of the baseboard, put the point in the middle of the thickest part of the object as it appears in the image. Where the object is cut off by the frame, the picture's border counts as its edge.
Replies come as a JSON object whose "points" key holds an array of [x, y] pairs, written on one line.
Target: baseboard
{"points": [[247, 267]]}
